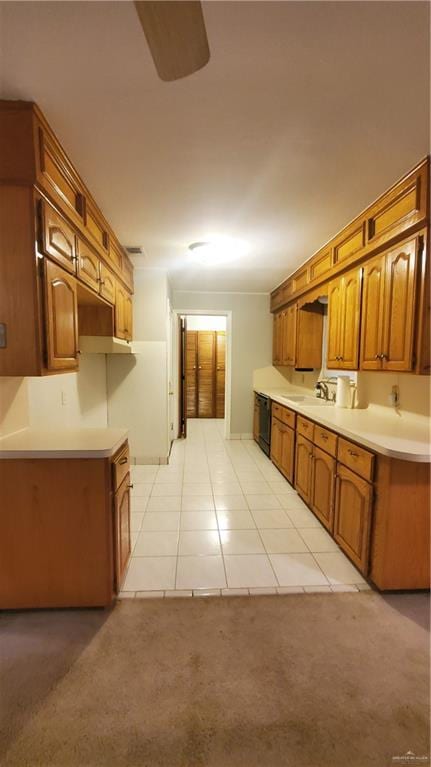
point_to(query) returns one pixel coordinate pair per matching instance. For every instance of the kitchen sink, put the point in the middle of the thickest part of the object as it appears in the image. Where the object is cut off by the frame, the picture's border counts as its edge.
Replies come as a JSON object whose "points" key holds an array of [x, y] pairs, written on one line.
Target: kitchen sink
{"points": [[306, 401]]}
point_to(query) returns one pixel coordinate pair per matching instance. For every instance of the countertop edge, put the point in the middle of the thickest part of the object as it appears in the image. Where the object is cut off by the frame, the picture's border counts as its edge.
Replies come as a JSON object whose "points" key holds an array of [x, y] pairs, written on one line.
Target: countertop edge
{"points": [[64, 454], [377, 448]]}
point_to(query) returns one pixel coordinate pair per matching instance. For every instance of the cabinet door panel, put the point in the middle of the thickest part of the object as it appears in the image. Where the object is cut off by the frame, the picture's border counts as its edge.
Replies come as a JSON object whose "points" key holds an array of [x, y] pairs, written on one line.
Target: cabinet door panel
{"points": [[287, 459], [107, 284], [353, 500], [58, 238], [276, 442], [128, 317], [191, 373], [206, 378], [120, 312], [122, 531], [303, 463], [88, 265], [350, 327], [335, 309], [322, 491], [289, 342], [399, 313], [372, 314], [220, 372], [61, 315]]}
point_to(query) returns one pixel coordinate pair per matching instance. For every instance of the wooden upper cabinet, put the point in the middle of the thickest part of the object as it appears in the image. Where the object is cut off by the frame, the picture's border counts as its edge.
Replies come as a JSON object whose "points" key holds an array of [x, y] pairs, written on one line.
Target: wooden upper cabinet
{"points": [[344, 306], [403, 205], [277, 338], [96, 230], [57, 176], [372, 314], [115, 256], [335, 311], [107, 284], [352, 523], [128, 317], [389, 309], [351, 318], [308, 336], [57, 238], [120, 312], [399, 307], [88, 265], [61, 318], [289, 336]]}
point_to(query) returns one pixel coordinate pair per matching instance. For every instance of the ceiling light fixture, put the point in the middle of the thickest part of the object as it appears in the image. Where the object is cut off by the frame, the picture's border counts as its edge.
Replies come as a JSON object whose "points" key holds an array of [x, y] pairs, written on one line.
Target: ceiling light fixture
{"points": [[218, 250]]}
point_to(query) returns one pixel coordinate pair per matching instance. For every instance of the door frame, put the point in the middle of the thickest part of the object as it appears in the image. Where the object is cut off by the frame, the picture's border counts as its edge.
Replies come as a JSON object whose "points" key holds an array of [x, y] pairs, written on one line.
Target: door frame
{"points": [[228, 379]]}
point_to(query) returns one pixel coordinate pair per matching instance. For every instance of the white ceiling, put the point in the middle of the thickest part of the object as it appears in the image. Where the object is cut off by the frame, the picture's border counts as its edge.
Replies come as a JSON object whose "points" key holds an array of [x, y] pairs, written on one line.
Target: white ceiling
{"points": [[305, 113]]}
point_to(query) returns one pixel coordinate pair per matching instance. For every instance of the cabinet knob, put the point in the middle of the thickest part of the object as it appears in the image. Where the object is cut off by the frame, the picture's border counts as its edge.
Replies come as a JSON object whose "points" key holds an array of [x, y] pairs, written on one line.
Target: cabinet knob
{"points": [[354, 453], [123, 460], [377, 356], [130, 486], [324, 436]]}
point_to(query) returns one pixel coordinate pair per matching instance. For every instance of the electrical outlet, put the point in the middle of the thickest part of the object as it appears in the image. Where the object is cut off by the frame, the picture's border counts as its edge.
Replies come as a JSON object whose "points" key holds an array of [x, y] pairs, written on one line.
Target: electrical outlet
{"points": [[63, 398]]}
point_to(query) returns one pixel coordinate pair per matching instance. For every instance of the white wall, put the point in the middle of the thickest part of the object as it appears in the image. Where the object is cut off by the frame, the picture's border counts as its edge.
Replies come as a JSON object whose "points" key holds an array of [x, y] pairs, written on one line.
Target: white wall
{"points": [[251, 343], [138, 383], [205, 322], [51, 402]]}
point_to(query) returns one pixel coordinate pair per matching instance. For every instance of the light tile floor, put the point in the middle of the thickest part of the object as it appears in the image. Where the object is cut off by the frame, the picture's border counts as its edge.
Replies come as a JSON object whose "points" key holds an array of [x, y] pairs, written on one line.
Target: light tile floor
{"points": [[221, 519]]}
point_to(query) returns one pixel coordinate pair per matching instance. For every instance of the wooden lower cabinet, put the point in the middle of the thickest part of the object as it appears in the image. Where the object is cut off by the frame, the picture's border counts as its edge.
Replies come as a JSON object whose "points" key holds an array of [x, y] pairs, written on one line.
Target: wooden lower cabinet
{"points": [[322, 487], [352, 523], [376, 508], [64, 531], [122, 530], [283, 448], [303, 467]]}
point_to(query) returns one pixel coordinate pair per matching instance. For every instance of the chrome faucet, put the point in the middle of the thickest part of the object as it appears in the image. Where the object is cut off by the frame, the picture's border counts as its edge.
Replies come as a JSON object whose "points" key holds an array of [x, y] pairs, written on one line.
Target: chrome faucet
{"points": [[323, 388]]}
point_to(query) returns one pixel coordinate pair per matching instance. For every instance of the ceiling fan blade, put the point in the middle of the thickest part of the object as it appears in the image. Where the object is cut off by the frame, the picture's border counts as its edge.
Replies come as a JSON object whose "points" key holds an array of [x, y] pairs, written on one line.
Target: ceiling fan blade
{"points": [[176, 35]]}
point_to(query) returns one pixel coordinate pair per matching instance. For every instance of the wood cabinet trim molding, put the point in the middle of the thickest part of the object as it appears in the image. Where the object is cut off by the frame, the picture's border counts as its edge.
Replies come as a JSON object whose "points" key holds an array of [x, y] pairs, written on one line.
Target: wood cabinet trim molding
{"points": [[410, 223]]}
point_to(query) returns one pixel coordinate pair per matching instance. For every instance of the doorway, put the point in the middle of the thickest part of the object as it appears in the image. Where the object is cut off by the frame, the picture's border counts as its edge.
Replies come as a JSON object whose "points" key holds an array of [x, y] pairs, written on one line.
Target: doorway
{"points": [[203, 368]]}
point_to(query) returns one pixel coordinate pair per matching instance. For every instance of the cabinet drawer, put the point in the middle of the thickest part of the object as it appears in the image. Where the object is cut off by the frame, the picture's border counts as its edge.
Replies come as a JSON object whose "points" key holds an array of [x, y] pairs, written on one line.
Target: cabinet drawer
{"points": [[120, 465], [88, 265], [283, 414], [57, 237], [356, 458], [305, 427], [325, 439]]}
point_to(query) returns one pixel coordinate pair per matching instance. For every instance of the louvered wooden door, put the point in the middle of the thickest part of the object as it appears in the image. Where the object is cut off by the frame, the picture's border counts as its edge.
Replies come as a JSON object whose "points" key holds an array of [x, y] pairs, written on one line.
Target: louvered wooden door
{"points": [[191, 373], [206, 377], [220, 372]]}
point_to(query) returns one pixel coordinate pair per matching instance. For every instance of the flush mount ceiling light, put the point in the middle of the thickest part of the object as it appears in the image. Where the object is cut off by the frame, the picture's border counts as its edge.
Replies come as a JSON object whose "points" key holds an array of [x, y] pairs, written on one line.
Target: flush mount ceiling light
{"points": [[220, 250]]}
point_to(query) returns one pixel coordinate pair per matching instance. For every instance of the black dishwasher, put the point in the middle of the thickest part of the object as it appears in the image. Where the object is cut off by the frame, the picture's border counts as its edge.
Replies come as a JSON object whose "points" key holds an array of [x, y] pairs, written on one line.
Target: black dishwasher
{"points": [[264, 422]]}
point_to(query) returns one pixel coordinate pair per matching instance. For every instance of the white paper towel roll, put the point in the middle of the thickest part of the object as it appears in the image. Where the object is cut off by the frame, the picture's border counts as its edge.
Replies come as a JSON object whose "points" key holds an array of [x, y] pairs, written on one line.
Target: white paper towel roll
{"points": [[343, 396]]}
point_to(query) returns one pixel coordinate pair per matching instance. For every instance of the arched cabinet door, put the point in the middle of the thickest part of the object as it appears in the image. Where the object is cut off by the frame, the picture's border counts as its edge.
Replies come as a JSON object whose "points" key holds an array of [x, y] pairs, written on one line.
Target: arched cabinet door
{"points": [[61, 318], [352, 524], [322, 490]]}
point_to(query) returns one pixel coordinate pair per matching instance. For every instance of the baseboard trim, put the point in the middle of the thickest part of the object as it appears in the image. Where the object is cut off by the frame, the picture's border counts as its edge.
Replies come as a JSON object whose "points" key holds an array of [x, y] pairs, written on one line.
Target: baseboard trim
{"points": [[145, 460]]}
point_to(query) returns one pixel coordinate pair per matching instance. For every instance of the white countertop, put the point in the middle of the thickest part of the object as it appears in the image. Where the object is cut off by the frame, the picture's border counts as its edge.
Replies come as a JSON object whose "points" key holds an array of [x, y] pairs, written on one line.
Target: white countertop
{"points": [[62, 443], [406, 436]]}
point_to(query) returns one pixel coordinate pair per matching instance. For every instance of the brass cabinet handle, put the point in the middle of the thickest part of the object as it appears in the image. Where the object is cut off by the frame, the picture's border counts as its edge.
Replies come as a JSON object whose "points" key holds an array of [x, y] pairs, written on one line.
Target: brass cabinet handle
{"points": [[123, 460], [130, 487], [324, 436], [354, 453]]}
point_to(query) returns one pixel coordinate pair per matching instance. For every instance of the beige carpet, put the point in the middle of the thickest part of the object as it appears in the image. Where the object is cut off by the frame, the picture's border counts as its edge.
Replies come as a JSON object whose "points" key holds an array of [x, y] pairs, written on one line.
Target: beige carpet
{"points": [[336, 680]]}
